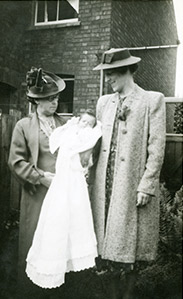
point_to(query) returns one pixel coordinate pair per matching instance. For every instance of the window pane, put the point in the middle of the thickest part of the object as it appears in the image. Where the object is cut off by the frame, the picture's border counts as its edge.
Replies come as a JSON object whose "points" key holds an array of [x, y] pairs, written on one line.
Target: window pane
{"points": [[66, 11], [52, 10], [40, 12], [65, 104]]}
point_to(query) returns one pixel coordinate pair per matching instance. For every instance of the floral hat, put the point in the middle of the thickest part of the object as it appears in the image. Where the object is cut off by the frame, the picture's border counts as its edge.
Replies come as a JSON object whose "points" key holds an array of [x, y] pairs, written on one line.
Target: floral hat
{"points": [[42, 84]]}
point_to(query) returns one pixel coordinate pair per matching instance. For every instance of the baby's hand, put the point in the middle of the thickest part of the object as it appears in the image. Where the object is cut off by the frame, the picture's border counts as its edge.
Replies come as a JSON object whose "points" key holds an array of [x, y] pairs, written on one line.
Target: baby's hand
{"points": [[84, 162], [49, 174], [85, 157], [47, 179]]}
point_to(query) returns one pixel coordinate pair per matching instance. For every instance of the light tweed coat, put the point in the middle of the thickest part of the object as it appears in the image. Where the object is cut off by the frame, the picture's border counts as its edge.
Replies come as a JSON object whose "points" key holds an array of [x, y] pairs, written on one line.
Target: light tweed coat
{"points": [[131, 232]]}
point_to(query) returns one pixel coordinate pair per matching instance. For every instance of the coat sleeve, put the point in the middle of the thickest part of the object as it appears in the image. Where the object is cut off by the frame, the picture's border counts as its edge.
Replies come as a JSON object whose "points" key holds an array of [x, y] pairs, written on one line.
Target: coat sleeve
{"points": [[19, 155], [155, 145]]}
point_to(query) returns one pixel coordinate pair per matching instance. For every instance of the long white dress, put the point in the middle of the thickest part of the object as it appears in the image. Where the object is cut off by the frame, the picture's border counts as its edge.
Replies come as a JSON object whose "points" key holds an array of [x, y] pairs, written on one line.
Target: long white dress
{"points": [[64, 239]]}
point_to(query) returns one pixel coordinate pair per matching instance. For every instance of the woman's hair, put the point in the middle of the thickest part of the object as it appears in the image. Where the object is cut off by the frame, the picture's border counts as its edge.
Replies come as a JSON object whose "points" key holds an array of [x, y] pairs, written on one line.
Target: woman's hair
{"points": [[132, 68], [32, 100]]}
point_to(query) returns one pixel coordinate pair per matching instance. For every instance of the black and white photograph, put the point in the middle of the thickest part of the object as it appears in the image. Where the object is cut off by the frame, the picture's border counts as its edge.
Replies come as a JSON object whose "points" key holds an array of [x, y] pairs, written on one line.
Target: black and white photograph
{"points": [[91, 149]]}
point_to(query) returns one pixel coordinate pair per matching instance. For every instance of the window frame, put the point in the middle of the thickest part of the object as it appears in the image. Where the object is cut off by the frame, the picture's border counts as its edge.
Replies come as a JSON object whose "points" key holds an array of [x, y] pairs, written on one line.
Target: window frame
{"points": [[56, 22]]}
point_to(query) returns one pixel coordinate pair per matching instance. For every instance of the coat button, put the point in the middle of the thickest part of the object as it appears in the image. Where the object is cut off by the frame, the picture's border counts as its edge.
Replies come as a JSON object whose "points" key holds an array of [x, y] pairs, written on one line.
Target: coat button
{"points": [[122, 159], [124, 131]]}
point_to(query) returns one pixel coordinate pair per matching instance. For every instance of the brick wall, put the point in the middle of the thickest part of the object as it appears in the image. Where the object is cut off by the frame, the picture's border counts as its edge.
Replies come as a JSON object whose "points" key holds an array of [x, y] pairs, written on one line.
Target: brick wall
{"points": [[13, 21], [74, 50], [147, 23], [14, 18]]}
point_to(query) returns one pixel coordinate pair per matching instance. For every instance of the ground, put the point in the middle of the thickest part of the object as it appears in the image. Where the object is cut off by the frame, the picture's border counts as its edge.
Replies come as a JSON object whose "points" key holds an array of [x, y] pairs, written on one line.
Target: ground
{"points": [[161, 280]]}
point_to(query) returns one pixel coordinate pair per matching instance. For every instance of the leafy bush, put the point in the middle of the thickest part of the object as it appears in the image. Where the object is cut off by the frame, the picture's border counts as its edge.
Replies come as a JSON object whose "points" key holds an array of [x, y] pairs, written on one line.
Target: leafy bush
{"points": [[171, 222], [178, 116], [162, 279]]}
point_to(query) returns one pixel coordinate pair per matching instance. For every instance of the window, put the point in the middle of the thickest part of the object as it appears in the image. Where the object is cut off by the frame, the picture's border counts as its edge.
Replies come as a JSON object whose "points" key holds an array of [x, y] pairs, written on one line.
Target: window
{"points": [[65, 104], [56, 12]]}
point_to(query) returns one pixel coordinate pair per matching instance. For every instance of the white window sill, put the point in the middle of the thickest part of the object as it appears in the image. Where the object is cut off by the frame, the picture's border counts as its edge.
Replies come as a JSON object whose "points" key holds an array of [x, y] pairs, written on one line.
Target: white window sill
{"points": [[64, 114], [50, 25]]}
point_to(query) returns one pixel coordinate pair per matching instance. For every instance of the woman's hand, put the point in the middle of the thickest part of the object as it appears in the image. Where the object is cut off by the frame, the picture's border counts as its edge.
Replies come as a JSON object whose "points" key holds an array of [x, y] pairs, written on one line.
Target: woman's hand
{"points": [[47, 179], [143, 199]]}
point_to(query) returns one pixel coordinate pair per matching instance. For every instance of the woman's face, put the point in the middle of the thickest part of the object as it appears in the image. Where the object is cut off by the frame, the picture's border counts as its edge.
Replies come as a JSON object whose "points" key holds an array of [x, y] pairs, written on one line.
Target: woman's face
{"points": [[116, 80], [47, 106]]}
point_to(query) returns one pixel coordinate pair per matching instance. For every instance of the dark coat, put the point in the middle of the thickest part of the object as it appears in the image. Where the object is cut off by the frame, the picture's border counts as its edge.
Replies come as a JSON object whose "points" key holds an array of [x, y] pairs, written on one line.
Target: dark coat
{"points": [[24, 158], [131, 232]]}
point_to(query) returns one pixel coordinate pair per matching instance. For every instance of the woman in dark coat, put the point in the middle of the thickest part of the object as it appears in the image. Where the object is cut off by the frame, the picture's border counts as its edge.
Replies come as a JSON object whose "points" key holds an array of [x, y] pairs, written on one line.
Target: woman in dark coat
{"points": [[125, 189], [30, 159]]}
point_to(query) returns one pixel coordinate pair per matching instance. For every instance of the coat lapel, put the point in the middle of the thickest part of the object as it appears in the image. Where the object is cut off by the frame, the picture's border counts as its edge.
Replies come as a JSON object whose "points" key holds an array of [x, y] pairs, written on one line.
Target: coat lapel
{"points": [[34, 137], [59, 120], [108, 121]]}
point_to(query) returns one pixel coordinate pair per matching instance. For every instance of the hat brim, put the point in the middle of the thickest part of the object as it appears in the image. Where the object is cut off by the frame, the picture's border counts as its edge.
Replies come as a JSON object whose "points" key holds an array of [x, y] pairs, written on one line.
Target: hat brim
{"points": [[59, 81], [118, 63]]}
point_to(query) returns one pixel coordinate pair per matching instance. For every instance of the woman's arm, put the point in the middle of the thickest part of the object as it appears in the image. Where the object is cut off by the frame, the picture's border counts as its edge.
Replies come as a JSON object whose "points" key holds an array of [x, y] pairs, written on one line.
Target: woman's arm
{"points": [[155, 146], [19, 156]]}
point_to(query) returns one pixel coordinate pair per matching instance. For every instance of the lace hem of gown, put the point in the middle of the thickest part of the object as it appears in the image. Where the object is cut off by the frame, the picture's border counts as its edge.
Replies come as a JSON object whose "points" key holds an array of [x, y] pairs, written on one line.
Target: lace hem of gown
{"points": [[49, 281]]}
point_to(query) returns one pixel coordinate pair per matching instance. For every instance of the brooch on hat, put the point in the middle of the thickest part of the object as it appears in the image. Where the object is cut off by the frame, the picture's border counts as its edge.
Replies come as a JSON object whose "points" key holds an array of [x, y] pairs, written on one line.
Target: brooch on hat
{"points": [[108, 57]]}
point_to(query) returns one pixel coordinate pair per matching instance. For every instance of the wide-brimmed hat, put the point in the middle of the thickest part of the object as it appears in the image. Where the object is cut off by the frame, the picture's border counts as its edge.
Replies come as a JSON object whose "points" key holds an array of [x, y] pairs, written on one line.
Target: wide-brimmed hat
{"points": [[115, 58], [42, 84]]}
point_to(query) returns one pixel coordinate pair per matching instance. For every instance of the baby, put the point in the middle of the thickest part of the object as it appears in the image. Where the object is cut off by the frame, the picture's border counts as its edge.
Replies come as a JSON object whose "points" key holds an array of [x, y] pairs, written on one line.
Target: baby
{"points": [[87, 119], [64, 239], [75, 135]]}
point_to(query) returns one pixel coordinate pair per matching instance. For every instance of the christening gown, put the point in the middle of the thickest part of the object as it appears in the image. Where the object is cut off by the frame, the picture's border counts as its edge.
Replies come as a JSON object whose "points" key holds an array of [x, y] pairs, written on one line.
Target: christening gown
{"points": [[64, 239]]}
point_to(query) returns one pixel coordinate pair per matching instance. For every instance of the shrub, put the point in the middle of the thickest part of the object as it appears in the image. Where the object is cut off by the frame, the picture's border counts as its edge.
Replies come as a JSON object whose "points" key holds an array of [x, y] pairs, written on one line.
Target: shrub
{"points": [[162, 279]]}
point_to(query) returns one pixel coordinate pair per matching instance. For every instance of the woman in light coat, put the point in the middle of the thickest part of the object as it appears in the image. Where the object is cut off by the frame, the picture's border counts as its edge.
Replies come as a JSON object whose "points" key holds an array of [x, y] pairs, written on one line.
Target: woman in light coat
{"points": [[125, 189], [30, 159]]}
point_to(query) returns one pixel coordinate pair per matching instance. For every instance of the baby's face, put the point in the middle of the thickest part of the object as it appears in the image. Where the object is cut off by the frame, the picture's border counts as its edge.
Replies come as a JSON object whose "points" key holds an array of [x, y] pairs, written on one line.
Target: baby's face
{"points": [[87, 121]]}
